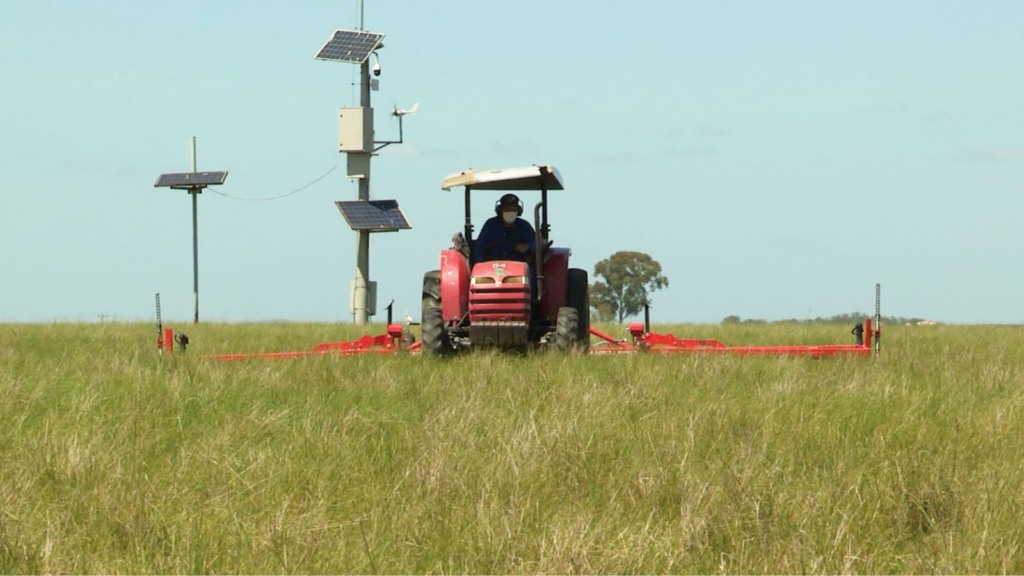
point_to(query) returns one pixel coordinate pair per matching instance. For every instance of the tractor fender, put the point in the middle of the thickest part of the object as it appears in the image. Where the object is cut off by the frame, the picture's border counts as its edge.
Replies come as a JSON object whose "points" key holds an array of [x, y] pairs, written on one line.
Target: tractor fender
{"points": [[454, 285], [556, 278]]}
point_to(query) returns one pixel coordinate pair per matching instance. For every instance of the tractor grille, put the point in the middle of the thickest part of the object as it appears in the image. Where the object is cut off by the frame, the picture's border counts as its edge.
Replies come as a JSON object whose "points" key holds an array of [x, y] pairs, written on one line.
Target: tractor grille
{"points": [[491, 301]]}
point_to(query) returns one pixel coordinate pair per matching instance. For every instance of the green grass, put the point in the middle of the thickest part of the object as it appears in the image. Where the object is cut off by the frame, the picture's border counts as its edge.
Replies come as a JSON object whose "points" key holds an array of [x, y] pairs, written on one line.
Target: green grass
{"points": [[115, 459]]}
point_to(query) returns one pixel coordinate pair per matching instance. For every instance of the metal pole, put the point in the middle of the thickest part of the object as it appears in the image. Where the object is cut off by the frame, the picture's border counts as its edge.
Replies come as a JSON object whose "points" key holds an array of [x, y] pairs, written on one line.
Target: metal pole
{"points": [[159, 326], [361, 312], [195, 241], [878, 319]]}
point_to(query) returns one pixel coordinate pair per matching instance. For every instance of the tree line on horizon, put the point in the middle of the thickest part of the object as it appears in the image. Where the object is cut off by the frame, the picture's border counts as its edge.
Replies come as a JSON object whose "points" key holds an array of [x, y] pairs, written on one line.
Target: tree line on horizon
{"points": [[626, 278], [851, 318]]}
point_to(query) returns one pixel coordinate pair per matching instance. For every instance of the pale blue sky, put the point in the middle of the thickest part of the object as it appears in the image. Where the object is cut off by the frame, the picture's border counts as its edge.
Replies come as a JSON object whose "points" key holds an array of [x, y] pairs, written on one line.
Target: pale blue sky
{"points": [[778, 158]]}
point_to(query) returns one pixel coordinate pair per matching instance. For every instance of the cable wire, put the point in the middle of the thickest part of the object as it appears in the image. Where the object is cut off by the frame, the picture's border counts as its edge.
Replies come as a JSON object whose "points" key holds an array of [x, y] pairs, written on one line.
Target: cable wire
{"points": [[278, 197]]}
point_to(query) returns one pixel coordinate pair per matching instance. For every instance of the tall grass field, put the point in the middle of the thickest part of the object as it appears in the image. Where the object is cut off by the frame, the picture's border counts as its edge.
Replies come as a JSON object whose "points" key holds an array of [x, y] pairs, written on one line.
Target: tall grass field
{"points": [[117, 459]]}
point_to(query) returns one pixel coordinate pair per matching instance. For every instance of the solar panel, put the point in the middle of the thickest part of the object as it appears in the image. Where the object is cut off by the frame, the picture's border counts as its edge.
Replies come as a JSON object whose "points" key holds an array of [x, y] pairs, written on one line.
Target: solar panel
{"points": [[190, 179], [373, 215], [349, 46]]}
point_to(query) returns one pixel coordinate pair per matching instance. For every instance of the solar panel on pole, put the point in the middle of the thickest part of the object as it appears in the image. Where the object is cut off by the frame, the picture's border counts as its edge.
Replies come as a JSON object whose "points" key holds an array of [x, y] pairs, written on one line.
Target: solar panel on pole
{"points": [[353, 46], [194, 182], [190, 179], [373, 215]]}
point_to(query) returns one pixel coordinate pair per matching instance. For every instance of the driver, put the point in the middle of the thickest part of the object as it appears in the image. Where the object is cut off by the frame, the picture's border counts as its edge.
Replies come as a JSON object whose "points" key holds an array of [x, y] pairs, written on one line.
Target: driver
{"points": [[505, 236]]}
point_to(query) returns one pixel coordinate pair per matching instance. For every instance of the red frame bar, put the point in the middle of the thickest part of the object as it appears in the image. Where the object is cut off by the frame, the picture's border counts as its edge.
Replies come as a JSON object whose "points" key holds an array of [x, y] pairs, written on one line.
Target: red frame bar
{"points": [[388, 343], [640, 341], [643, 341]]}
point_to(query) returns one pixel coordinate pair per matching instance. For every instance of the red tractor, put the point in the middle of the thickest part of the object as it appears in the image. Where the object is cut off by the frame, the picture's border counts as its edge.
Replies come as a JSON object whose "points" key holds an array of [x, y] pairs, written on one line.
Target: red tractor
{"points": [[510, 303]]}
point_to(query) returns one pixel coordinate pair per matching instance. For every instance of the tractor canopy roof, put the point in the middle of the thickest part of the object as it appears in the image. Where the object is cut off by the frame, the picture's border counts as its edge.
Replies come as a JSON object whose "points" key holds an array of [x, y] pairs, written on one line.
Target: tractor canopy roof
{"points": [[525, 178]]}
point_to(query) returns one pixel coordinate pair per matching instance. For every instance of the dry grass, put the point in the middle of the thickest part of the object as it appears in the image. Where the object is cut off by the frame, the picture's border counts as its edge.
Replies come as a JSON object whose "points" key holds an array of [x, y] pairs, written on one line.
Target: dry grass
{"points": [[115, 459]]}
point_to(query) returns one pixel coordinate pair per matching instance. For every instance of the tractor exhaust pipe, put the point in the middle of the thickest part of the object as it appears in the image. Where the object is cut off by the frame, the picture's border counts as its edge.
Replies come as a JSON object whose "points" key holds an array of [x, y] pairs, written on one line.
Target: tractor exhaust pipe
{"points": [[538, 256]]}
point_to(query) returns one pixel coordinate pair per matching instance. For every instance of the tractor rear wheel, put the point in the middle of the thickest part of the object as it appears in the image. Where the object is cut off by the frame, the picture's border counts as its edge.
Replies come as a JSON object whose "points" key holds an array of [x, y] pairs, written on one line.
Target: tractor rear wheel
{"points": [[433, 333], [578, 297], [567, 329]]}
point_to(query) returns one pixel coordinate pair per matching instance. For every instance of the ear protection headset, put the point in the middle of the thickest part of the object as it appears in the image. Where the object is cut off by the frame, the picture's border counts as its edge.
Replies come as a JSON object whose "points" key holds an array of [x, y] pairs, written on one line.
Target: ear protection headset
{"points": [[508, 200]]}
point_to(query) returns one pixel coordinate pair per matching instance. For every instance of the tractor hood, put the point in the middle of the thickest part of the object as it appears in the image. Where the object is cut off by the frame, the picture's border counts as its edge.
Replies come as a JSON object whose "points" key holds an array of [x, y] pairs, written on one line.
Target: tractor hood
{"points": [[526, 178]]}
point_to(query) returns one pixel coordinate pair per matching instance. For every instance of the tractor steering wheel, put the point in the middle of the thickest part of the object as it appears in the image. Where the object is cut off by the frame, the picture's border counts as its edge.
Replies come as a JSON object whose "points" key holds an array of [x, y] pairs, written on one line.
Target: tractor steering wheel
{"points": [[517, 256]]}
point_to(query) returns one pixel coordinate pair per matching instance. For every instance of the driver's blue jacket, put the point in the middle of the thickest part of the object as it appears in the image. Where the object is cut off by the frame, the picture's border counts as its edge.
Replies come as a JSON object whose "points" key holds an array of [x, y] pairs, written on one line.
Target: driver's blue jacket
{"points": [[498, 242]]}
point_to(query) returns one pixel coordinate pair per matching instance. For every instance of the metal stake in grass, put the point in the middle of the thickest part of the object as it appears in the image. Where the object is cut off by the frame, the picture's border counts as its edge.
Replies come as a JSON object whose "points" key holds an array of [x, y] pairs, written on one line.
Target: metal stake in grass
{"points": [[159, 326], [878, 319]]}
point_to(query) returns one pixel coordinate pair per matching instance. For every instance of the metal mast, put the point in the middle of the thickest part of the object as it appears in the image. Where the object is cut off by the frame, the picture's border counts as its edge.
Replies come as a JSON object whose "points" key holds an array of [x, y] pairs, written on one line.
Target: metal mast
{"points": [[193, 182], [360, 304], [356, 139], [194, 192]]}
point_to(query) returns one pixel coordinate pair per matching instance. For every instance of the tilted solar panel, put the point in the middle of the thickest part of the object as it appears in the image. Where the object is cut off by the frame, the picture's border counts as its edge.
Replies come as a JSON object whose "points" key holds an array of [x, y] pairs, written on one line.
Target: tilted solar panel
{"points": [[373, 215], [190, 179], [352, 46]]}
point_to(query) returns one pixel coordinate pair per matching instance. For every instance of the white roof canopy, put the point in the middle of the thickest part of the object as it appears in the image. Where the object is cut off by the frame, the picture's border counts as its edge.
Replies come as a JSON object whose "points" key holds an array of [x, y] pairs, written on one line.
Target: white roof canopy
{"points": [[525, 178]]}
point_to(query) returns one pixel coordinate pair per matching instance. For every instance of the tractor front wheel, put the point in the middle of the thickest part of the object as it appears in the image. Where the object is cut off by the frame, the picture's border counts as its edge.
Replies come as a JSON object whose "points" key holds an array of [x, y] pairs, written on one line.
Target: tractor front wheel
{"points": [[567, 329], [578, 297], [433, 333]]}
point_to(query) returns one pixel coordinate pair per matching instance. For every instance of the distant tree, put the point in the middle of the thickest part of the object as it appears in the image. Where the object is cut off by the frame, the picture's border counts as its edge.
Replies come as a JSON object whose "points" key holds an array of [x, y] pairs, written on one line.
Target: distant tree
{"points": [[599, 303], [628, 278], [733, 319]]}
